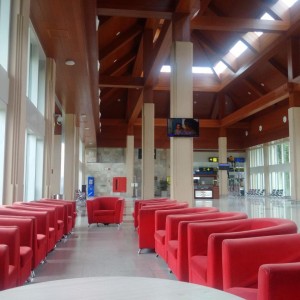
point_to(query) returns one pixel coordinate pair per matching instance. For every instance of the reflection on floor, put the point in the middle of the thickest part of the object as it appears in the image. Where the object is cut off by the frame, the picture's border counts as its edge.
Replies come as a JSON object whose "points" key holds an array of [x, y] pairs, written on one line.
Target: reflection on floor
{"points": [[107, 251]]}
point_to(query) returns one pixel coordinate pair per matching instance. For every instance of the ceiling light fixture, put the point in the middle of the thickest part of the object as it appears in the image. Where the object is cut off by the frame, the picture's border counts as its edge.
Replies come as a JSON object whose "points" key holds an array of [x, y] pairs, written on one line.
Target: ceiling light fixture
{"points": [[70, 62]]}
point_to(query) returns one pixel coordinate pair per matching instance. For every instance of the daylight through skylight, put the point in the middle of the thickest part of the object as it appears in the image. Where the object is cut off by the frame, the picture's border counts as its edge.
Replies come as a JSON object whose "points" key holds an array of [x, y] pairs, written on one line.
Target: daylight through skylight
{"points": [[238, 49], [202, 70], [289, 3], [265, 16]]}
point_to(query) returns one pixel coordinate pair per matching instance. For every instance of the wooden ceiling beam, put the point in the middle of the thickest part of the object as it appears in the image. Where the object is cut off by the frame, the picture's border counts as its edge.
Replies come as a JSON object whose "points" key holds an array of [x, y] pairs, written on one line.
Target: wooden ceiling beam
{"points": [[262, 103], [127, 82], [133, 13], [123, 39], [238, 25], [160, 53], [120, 64]]}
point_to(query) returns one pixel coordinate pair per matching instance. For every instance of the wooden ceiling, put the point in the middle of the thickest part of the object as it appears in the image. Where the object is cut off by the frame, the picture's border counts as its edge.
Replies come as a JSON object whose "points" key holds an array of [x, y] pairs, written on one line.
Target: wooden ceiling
{"points": [[112, 34]]}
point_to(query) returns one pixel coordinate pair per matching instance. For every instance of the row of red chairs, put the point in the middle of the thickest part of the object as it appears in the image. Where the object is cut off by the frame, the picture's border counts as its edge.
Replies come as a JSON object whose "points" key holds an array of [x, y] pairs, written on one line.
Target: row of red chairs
{"points": [[28, 232], [212, 248]]}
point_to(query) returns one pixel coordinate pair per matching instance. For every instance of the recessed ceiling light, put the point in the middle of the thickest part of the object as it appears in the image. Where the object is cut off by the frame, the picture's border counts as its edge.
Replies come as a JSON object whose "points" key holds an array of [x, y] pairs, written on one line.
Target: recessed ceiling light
{"points": [[70, 62], [249, 93], [115, 60], [118, 33], [86, 128]]}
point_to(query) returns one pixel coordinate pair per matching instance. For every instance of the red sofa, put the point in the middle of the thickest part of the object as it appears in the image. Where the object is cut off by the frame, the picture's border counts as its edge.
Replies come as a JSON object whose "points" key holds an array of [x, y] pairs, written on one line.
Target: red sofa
{"points": [[25, 226], [263, 268], [160, 224], [106, 210], [10, 236], [137, 205], [146, 227], [41, 231], [177, 239], [205, 244]]}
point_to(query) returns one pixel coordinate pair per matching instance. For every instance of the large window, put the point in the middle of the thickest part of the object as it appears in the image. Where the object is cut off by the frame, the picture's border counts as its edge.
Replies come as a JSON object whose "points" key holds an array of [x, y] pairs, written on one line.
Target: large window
{"points": [[36, 82], [2, 139], [279, 167], [36, 73], [33, 168], [4, 32]]}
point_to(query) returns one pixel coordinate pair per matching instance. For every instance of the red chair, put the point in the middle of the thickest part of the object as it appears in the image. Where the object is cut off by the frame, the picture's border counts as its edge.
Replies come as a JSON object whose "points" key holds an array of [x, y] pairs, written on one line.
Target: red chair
{"points": [[60, 216], [10, 236], [137, 205], [71, 208], [160, 225], [205, 244], [4, 266], [263, 268], [50, 215], [146, 227], [25, 226], [106, 210], [67, 219], [177, 239], [41, 231]]}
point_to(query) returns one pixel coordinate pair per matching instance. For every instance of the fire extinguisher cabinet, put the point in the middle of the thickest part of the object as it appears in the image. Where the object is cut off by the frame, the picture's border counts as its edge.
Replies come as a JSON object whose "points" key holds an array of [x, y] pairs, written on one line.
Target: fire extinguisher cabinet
{"points": [[119, 184]]}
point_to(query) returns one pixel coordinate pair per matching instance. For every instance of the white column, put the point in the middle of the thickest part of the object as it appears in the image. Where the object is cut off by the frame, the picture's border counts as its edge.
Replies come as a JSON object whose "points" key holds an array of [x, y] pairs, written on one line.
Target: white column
{"points": [[13, 186], [69, 137], [294, 125], [181, 149], [130, 164], [49, 130], [223, 175], [148, 151]]}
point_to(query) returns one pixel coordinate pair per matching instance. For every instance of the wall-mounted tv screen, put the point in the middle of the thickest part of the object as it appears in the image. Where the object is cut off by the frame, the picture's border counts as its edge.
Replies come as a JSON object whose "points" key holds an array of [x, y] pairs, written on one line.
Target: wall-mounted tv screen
{"points": [[183, 127]]}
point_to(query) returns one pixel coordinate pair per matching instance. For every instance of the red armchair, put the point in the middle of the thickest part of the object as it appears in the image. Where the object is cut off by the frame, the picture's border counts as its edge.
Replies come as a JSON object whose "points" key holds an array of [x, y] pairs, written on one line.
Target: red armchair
{"points": [[26, 244], [205, 244], [67, 219], [48, 219], [52, 214], [263, 268], [146, 227], [106, 210], [41, 231], [70, 206], [10, 236], [59, 213], [137, 205], [177, 239], [160, 224]]}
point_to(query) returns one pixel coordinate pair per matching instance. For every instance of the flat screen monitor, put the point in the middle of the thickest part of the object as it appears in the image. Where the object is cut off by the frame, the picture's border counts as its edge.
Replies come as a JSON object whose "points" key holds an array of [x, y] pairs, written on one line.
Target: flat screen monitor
{"points": [[224, 166], [183, 127]]}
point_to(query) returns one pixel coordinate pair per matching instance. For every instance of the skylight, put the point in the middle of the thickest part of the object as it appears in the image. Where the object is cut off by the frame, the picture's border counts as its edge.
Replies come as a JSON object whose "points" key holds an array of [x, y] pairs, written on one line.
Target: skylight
{"points": [[238, 49], [202, 70], [265, 16], [220, 67], [289, 3], [195, 70], [165, 69]]}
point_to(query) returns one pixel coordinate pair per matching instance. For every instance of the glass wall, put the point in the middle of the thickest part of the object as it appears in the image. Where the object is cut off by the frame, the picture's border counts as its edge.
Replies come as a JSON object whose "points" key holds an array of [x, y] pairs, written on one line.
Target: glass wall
{"points": [[4, 32], [276, 168], [4, 81], [257, 176], [36, 80]]}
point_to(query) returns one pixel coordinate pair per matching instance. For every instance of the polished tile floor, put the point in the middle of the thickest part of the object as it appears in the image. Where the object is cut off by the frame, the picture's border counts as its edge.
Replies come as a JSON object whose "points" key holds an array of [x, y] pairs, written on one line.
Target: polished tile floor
{"points": [[107, 251]]}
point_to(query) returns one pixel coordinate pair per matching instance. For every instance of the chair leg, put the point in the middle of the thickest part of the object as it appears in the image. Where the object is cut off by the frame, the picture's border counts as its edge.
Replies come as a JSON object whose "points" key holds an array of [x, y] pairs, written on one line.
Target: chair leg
{"points": [[140, 250]]}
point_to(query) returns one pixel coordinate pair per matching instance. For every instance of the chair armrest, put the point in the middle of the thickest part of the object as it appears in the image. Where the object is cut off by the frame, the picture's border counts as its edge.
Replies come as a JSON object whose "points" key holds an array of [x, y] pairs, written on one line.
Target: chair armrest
{"points": [[279, 281], [242, 258], [4, 265]]}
